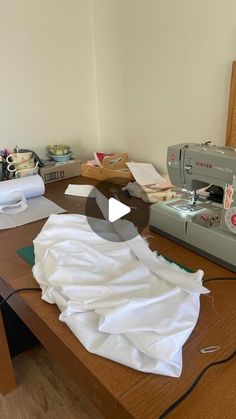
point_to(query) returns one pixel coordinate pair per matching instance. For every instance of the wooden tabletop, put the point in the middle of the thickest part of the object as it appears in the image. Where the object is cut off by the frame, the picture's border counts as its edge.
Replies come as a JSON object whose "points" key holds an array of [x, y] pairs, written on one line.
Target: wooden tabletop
{"points": [[119, 391]]}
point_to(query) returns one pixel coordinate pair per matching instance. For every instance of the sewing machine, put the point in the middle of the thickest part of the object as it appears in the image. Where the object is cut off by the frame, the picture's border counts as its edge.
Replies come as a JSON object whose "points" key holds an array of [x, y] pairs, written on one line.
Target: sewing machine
{"points": [[194, 218]]}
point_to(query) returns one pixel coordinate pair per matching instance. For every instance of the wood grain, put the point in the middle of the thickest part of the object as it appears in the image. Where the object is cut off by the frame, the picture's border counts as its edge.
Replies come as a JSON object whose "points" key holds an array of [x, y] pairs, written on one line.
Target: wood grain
{"points": [[231, 119], [221, 333], [7, 376], [118, 177], [45, 391], [118, 391]]}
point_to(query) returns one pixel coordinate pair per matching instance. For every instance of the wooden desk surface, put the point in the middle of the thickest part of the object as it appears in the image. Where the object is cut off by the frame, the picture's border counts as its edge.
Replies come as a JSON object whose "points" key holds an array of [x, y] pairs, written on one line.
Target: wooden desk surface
{"points": [[118, 391]]}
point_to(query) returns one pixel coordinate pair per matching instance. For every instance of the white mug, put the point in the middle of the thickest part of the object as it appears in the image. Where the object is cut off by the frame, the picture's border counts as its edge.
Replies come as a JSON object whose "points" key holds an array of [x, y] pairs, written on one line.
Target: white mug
{"points": [[19, 157], [27, 172], [13, 167]]}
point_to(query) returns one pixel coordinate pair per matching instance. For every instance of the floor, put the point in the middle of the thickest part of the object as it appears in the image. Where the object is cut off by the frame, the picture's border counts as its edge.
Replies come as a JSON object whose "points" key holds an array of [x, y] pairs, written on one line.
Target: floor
{"points": [[44, 391]]}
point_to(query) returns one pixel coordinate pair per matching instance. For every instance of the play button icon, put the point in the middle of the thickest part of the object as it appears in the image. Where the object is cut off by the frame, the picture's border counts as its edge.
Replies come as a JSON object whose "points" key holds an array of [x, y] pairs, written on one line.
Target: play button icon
{"points": [[116, 209], [113, 214]]}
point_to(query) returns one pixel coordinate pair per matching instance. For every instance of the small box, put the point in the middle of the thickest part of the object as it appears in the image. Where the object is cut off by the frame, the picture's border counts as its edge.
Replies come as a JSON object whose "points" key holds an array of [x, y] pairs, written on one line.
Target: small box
{"points": [[59, 171], [119, 177]]}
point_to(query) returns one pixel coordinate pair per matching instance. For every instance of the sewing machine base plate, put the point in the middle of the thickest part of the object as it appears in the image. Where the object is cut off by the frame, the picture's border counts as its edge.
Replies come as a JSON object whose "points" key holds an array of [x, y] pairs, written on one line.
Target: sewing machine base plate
{"points": [[212, 240]]}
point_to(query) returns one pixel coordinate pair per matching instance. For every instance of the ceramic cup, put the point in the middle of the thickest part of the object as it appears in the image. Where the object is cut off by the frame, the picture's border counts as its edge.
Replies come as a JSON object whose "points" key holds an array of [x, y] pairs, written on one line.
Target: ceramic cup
{"points": [[13, 167], [27, 172], [19, 157]]}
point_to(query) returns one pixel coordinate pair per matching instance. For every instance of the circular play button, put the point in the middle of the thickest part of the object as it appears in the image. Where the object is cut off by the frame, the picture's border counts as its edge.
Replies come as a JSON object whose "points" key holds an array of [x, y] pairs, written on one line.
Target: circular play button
{"points": [[115, 215], [116, 210]]}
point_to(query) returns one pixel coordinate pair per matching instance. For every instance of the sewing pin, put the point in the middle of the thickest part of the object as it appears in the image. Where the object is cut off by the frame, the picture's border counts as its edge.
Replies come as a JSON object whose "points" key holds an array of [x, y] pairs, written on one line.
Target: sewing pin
{"points": [[209, 349]]}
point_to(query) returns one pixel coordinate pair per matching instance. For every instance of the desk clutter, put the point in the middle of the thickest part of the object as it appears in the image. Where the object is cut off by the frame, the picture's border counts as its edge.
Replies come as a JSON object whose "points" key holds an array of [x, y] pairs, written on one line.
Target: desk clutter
{"points": [[59, 152], [141, 180], [110, 167], [22, 202], [21, 187], [25, 162], [17, 164], [120, 299]]}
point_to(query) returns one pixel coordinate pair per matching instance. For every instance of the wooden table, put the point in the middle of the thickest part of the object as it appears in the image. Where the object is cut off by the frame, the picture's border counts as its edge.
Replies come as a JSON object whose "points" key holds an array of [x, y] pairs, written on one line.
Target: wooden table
{"points": [[118, 391]]}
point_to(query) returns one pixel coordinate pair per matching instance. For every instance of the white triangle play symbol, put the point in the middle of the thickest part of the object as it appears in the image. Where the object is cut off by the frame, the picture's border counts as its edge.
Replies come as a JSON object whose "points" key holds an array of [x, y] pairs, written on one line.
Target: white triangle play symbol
{"points": [[116, 209]]}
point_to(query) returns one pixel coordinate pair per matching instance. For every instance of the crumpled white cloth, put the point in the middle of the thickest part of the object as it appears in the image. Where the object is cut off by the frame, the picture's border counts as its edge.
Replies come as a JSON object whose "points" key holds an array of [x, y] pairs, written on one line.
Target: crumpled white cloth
{"points": [[120, 299]]}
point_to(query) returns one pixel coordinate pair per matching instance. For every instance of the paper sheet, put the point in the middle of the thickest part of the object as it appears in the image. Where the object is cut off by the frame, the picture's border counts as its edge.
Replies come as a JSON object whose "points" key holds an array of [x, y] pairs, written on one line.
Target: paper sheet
{"points": [[38, 208], [145, 173], [81, 190], [32, 188]]}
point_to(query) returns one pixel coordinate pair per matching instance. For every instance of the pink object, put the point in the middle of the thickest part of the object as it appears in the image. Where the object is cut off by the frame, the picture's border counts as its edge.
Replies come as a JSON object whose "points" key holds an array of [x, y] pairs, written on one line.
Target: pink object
{"points": [[233, 220], [228, 196], [100, 156]]}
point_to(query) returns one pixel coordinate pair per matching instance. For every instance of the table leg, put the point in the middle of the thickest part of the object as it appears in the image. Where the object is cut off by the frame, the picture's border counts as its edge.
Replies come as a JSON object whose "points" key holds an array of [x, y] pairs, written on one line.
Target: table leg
{"points": [[7, 376]]}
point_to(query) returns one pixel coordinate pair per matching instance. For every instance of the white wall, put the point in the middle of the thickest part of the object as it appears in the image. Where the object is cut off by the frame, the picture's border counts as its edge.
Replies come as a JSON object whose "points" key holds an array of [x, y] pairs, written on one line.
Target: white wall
{"points": [[47, 75], [132, 75], [163, 73], [109, 42], [178, 65]]}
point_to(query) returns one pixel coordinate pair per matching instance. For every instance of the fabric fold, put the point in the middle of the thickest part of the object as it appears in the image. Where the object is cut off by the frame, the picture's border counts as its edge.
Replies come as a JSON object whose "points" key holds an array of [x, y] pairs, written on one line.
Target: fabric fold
{"points": [[120, 299]]}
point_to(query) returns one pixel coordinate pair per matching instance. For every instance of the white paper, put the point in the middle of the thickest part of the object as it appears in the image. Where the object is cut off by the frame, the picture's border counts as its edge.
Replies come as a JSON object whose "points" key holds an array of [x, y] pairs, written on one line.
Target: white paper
{"points": [[145, 173], [81, 190], [38, 208], [30, 186]]}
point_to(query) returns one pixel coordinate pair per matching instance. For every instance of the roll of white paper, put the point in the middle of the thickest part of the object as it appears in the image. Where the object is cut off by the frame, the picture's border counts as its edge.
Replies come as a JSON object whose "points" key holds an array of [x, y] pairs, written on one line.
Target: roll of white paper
{"points": [[12, 202], [29, 186]]}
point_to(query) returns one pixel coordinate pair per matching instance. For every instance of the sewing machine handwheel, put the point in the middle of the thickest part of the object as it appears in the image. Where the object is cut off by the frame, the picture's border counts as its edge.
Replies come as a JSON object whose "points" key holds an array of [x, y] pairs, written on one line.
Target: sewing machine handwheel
{"points": [[230, 219]]}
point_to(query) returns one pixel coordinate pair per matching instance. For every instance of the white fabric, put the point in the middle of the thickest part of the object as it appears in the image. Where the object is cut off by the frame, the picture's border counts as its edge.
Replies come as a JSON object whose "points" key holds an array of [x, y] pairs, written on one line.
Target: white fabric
{"points": [[121, 300]]}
